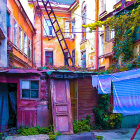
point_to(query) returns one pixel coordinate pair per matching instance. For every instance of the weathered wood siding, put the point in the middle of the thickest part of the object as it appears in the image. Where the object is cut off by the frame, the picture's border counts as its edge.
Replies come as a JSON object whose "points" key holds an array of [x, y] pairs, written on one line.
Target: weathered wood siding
{"points": [[30, 112], [87, 98]]}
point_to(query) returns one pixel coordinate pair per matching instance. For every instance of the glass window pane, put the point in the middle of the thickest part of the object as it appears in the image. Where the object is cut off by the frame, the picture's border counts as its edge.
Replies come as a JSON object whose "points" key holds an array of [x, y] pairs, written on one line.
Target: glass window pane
{"points": [[25, 93], [34, 93], [25, 85], [34, 85]]}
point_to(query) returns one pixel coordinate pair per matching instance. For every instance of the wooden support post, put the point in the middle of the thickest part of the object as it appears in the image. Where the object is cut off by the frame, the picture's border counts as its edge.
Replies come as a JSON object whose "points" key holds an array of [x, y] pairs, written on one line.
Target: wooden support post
{"points": [[135, 131]]}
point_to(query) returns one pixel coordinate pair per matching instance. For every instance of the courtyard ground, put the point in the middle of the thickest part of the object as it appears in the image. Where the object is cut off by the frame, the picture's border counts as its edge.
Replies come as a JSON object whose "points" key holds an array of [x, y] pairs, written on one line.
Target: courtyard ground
{"points": [[118, 134]]}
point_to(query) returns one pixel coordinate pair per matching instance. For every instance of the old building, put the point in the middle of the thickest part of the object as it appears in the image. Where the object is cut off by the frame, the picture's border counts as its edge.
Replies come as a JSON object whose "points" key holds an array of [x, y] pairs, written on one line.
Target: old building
{"points": [[106, 36], [20, 36], [3, 34], [48, 50], [84, 13]]}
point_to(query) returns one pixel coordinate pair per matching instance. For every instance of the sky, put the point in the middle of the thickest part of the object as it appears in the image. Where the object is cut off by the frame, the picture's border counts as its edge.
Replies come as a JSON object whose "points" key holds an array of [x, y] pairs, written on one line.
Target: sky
{"points": [[28, 10]]}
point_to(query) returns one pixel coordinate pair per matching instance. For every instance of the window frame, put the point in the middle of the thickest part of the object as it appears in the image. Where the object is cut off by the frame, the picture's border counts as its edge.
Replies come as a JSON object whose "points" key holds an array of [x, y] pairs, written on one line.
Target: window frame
{"points": [[102, 8], [102, 43], [52, 57], [9, 27], [67, 34], [67, 55], [21, 35], [15, 32], [23, 98], [29, 46], [84, 14], [48, 29], [26, 43], [107, 39], [73, 56], [83, 59]]}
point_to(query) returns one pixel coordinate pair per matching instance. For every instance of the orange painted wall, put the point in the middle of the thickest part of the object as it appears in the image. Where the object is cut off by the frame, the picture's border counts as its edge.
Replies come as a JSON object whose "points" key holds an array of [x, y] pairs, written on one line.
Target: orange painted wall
{"points": [[52, 44], [15, 13]]}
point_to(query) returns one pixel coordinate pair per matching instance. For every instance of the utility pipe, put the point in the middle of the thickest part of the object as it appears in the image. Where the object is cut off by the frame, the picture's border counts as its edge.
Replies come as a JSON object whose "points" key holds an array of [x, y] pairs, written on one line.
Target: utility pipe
{"points": [[97, 37]]}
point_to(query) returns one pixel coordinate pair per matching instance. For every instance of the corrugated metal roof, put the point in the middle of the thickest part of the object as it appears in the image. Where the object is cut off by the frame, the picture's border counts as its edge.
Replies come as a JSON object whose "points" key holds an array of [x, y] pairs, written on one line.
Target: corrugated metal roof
{"points": [[68, 2]]}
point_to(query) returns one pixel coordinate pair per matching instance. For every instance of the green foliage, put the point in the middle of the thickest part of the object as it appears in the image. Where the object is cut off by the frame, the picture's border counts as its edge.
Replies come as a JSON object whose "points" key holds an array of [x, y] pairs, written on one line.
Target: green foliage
{"points": [[83, 125], [99, 137], [52, 136], [104, 119], [38, 130], [125, 66], [45, 130], [124, 25], [1, 136], [58, 133], [28, 131], [35, 130]]}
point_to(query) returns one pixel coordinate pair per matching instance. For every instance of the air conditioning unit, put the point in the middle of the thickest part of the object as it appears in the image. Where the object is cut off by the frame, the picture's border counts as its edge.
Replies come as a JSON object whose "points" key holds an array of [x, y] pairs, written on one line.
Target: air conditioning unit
{"points": [[72, 36]]}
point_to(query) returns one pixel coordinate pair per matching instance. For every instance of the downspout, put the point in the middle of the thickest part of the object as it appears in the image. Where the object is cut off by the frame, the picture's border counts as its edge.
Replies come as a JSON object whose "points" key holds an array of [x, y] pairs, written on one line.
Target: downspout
{"points": [[33, 50], [97, 38], [41, 42]]}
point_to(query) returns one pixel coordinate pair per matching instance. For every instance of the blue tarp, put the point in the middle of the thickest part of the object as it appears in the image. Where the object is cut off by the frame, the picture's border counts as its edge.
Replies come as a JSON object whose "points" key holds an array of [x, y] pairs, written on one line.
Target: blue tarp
{"points": [[102, 83], [68, 2], [126, 90]]}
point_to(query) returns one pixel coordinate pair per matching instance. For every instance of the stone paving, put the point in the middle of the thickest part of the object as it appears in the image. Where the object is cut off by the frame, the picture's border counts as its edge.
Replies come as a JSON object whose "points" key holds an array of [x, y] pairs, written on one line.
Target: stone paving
{"points": [[118, 134], [34, 137]]}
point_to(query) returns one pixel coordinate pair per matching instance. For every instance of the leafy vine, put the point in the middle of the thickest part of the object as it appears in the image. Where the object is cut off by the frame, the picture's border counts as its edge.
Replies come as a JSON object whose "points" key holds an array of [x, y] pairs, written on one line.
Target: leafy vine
{"points": [[124, 24]]}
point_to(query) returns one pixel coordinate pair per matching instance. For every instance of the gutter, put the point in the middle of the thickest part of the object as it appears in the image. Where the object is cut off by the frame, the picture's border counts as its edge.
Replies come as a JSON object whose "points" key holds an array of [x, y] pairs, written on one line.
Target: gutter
{"points": [[41, 41]]}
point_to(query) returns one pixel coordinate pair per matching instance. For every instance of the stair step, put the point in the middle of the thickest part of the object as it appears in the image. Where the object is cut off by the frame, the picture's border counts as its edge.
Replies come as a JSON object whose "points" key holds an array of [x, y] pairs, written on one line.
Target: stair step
{"points": [[57, 31], [49, 13]]}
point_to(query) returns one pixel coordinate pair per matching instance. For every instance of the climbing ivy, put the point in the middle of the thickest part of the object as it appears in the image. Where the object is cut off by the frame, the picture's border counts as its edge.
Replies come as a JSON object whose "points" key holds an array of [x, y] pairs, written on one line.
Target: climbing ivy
{"points": [[124, 25]]}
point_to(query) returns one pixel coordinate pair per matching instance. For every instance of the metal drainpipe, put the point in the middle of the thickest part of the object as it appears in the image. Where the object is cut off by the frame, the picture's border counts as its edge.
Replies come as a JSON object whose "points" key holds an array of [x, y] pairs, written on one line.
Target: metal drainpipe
{"points": [[77, 99], [41, 42], [97, 38]]}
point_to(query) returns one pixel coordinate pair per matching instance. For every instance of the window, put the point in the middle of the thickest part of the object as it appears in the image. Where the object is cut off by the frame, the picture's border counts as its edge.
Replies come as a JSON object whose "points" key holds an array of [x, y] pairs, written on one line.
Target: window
{"points": [[137, 33], [84, 22], [102, 7], [107, 33], [73, 56], [29, 89], [67, 28], [25, 43], [73, 29], [49, 57], [29, 48], [20, 39], [48, 31], [112, 34], [73, 26], [15, 32], [65, 60], [83, 59], [8, 25], [101, 51]]}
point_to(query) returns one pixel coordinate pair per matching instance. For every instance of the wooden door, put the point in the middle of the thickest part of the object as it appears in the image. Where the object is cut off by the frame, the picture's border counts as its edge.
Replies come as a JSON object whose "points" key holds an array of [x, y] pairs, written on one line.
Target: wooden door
{"points": [[61, 106]]}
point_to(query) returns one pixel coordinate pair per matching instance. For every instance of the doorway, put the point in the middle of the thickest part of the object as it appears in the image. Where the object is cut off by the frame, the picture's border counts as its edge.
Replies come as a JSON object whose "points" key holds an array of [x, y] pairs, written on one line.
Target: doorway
{"points": [[8, 106]]}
